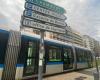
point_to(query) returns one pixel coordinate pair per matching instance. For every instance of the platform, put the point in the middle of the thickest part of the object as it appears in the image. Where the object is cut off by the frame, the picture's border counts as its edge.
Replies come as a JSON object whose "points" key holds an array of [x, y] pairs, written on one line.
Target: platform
{"points": [[79, 75]]}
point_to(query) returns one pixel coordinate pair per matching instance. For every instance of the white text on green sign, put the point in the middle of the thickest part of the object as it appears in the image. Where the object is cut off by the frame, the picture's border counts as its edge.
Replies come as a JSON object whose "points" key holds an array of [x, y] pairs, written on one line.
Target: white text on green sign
{"points": [[47, 5]]}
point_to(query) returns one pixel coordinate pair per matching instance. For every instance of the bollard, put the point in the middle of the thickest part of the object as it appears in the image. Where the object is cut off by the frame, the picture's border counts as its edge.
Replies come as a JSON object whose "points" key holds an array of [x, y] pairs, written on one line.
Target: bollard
{"points": [[96, 75]]}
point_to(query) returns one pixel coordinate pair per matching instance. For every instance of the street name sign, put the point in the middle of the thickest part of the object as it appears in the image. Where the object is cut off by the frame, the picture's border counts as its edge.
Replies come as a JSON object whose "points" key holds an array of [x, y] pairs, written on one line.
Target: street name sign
{"points": [[34, 24], [47, 5], [44, 11], [35, 15]]}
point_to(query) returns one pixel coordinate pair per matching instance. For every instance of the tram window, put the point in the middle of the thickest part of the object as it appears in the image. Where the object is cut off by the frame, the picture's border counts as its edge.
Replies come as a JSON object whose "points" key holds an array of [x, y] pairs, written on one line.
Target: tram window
{"points": [[31, 49], [85, 56], [68, 53], [54, 54], [29, 52], [30, 62], [68, 58], [80, 55], [89, 56]]}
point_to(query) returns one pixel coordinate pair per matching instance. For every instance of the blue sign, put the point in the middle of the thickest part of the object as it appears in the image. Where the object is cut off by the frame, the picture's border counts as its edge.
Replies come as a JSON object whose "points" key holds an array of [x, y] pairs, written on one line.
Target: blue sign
{"points": [[44, 11], [35, 15]]}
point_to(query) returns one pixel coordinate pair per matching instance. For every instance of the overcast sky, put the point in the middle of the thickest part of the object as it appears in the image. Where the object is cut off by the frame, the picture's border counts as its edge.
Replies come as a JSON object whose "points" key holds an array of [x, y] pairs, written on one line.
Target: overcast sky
{"points": [[82, 15]]}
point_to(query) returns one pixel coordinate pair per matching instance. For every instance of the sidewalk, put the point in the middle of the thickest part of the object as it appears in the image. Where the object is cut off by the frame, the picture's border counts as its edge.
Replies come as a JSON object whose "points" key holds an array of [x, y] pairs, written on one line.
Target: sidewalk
{"points": [[79, 75]]}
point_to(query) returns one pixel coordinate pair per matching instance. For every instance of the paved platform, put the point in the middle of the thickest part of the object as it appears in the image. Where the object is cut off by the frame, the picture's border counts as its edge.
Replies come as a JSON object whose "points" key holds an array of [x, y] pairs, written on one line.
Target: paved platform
{"points": [[79, 75]]}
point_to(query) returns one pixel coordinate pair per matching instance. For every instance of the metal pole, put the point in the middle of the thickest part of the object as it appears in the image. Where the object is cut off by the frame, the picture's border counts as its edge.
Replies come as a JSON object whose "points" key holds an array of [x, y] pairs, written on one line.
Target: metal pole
{"points": [[96, 74], [96, 62], [41, 54]]}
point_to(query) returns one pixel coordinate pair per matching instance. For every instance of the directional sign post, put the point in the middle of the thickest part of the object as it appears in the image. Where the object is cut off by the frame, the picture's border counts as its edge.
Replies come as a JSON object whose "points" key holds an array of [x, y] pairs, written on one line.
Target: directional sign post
{"points": [[41, 54], [45, 16]]}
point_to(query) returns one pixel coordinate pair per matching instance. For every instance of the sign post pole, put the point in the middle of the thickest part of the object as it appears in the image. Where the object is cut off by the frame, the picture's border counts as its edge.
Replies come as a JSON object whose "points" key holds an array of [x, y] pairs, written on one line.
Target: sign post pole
{"points": [[41, 54], [52, 19], [96, 73]]}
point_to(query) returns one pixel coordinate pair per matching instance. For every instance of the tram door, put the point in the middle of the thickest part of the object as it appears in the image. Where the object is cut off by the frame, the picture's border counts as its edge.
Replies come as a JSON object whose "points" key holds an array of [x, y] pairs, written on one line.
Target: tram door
{"points": [[89, 59], [30, 57], [68, 59]]}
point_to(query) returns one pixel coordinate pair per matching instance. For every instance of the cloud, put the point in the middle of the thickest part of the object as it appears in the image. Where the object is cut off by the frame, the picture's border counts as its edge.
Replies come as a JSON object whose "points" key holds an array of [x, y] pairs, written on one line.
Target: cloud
{"points": [[11, 11], [82, 15]]}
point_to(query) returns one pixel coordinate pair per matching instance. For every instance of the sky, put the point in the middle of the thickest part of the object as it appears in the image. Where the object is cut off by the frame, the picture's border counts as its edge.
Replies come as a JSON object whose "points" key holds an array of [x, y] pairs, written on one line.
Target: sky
{"points": [[82, 15]]}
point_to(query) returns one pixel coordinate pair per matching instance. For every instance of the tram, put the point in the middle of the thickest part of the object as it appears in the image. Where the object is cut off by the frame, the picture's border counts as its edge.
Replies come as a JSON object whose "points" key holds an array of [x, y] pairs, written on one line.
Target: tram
{"points": [[59, 56]]}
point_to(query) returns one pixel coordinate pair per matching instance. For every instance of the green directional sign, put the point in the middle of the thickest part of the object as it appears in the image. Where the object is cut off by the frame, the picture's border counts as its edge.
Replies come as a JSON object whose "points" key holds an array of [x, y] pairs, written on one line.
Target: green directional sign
{"points": [[47, 5]]}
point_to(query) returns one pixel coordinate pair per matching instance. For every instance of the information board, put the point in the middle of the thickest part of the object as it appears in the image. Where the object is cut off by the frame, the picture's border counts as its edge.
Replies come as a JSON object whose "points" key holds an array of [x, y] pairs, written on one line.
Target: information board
{"points": [[33, 24], [47, 5], [34, 15], [44, 11]]}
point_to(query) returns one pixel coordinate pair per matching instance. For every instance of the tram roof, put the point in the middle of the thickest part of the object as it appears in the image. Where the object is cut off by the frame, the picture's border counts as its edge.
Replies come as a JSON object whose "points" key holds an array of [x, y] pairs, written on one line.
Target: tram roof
{"points": [[47, 39], [52, 40]]}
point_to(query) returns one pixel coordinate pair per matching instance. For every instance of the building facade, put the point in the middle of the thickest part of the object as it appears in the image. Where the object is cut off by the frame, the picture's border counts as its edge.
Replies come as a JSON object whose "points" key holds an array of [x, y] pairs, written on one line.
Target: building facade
{"points": [[92, 44], [89, 42], [71, 36]]}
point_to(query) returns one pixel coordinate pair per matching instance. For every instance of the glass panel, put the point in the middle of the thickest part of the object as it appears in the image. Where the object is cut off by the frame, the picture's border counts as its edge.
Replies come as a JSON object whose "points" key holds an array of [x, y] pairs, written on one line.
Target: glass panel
{"points": [[68, 59], [50, 54], [31, 49], [27, 62], [30, 62], [81, 56], [54, 54], [68, 54], [58, 56], [89, 59], [30, 66], [30, 52]]}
